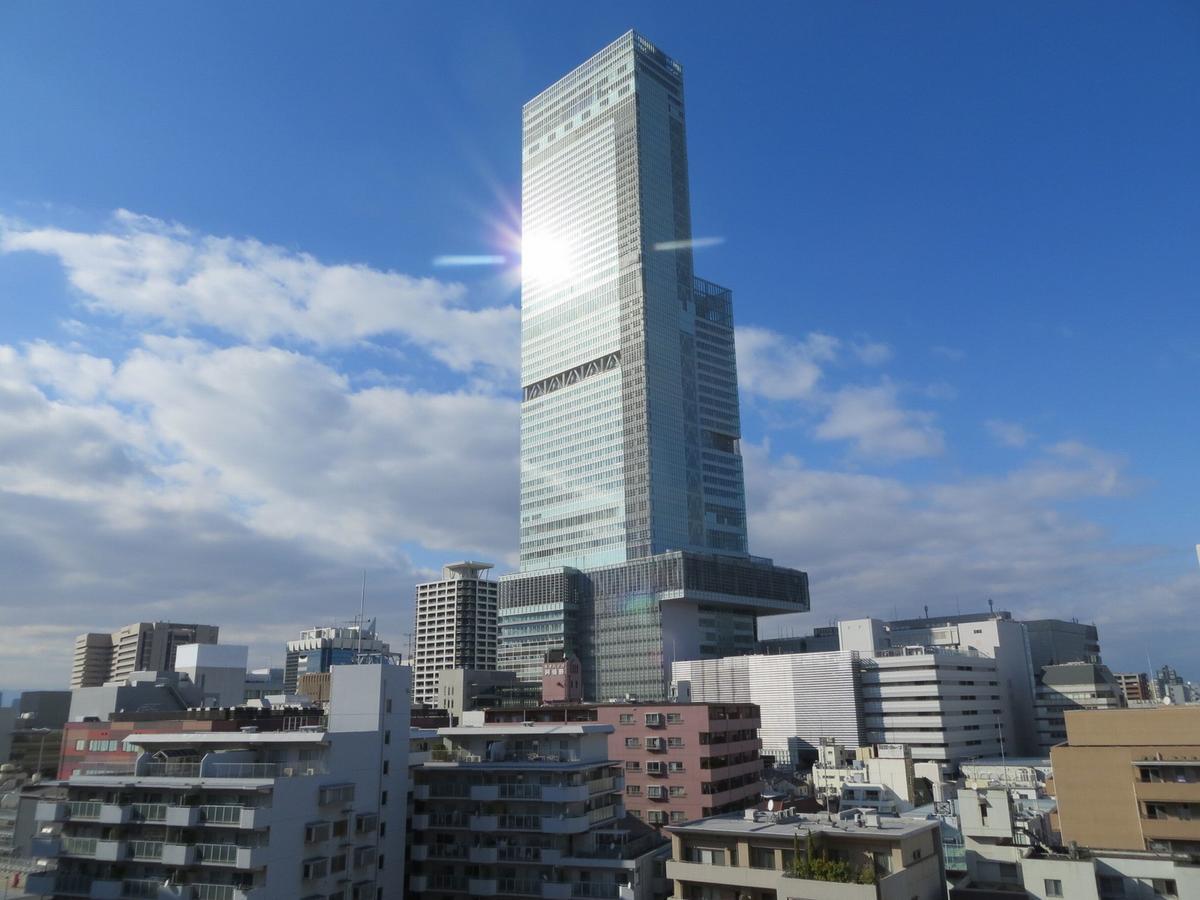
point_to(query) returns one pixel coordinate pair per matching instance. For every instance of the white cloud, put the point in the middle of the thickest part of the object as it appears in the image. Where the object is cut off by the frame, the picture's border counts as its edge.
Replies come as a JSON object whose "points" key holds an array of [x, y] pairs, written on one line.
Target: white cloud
{"points": [[150, 272], [776, 367], [872, 353], [872, 418], [879, 546], [1009, 434]]}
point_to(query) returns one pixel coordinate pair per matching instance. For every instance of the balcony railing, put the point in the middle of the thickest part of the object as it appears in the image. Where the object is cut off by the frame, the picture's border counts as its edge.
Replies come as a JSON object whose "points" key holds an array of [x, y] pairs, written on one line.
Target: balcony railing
{"points": [[141, 888], [520, 886], [221, 814], [77, 846], [84, 809], [150, 812], [600, 889], [212, 891], [521, 791], [217, 853], [146, 849], [522, 823]]}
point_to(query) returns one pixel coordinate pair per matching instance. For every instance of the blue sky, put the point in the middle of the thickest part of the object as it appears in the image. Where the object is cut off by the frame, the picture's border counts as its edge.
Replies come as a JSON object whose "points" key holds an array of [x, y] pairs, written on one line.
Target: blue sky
{"points": [[963, 243]]}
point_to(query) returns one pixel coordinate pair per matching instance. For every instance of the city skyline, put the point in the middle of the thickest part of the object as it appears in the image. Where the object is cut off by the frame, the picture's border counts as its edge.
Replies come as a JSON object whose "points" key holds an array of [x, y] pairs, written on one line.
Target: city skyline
{"points": [[228, 429]]}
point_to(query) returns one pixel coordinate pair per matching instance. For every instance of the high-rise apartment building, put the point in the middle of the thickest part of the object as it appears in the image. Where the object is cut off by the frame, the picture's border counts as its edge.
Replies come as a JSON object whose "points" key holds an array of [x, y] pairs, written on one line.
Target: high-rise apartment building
{"points": [[455, 626], [317, 810], [680, 761], [1135, 687], [1070, 686], [140, 647], [526, 811], [633, 511]]}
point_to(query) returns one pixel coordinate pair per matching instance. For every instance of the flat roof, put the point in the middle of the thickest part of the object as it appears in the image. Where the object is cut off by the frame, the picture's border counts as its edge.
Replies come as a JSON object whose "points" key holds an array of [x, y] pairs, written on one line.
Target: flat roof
{"points": [[789, 826], [229, 737], [506, 728]]}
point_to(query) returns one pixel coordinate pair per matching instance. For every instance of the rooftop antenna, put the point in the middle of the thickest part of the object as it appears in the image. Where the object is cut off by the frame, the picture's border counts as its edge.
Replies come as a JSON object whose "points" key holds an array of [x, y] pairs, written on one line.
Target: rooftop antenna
{"points": [[927, 610], [362, 603]]}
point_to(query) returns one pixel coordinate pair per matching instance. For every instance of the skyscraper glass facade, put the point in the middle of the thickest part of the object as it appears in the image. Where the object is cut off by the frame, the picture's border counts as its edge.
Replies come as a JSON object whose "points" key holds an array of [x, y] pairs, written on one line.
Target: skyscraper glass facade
{"points": [[629, 421], [633, 502]]}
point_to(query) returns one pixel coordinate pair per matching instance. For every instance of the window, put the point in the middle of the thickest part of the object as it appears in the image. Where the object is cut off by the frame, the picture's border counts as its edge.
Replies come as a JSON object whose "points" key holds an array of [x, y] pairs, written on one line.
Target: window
{"points": [[389, 704], [656, 817], [677, 816], [316, 832], [762, 857], [654, 768], [705, 855], [383, 798], [1053, 887], [678, 791], [653, 719], [386, 766], [365, 823], [632, 765], [626, 718], [675, 742], [633, 743], [315, 868], [1165, 887], [675, 767], [674, 718], [1112, 886], [81, 744], [656, 792], [633, 790]]}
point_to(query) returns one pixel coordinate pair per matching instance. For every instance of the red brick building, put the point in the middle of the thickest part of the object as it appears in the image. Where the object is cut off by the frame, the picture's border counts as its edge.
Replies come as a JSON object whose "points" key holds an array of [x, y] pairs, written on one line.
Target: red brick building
{"points": [[682, 761]]}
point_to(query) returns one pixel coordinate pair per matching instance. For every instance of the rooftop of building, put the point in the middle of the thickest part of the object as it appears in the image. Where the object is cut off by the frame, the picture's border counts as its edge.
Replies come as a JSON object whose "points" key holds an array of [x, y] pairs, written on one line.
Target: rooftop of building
{"points": [[527, 728], [145, 739], [789, 825]]}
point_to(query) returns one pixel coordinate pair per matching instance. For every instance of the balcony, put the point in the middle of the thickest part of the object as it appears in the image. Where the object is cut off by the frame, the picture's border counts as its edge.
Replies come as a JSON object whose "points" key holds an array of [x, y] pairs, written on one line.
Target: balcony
{"points": [[567, 824], [556, 890], [420, 822], [1171, 829], [484, 823], [483, 887], [217, 854], [233, 816], [485, 792], [45, 846], [420, 791], [182, 816], [418, 884], [178, 855], [420, 852], [482, 854], [51, 811], [602, 890], [527, 886], [1168, 791], [576, 793], [222, 892], [106, 890]]}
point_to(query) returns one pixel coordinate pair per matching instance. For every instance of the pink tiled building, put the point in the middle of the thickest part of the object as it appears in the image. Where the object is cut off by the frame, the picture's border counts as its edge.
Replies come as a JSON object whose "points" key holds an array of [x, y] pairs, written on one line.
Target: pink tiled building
{"points": [[682, 761]]}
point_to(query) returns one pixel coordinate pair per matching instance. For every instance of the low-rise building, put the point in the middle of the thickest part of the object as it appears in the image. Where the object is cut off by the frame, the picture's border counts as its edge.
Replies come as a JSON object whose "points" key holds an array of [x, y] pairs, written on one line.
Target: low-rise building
{"points": [[217, 670], [880, 778], [460, 690], [765, 855], [1135, 687], [527, 810], [248, 814]]}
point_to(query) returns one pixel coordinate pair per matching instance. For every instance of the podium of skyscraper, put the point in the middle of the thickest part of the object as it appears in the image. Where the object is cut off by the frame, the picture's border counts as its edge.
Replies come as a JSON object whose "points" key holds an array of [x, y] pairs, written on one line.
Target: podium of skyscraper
{"points": [[633, 507]]}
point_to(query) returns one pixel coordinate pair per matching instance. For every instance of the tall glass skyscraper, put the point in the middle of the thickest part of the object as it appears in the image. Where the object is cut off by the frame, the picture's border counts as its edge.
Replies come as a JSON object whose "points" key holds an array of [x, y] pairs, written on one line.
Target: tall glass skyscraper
{"points": [[633, 506], [629, 419]]}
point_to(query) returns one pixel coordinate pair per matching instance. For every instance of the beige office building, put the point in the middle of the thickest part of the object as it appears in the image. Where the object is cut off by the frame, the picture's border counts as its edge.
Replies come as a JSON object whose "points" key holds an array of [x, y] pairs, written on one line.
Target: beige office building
{"points": [[140, 647], [1129, 779], [761, 856]]}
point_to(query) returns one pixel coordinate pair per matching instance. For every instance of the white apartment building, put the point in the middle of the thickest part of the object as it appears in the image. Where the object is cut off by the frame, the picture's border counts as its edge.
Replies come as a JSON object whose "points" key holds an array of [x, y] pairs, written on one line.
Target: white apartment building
{"points": [[456, 626], [527, 810], [804, 697], [245, 815]]}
